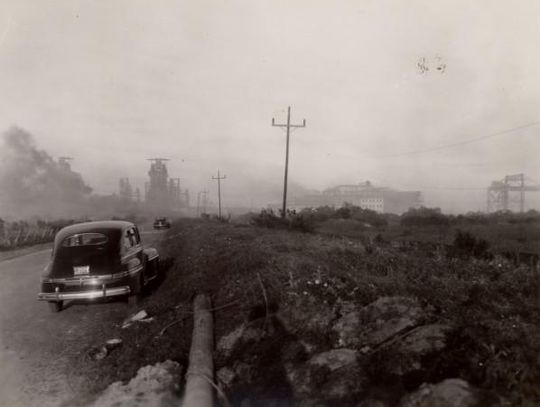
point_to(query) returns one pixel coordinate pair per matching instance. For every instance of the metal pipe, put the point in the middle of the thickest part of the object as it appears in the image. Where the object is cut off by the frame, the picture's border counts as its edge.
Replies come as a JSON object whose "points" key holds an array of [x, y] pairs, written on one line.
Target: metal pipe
{"points": [[200, 375]]}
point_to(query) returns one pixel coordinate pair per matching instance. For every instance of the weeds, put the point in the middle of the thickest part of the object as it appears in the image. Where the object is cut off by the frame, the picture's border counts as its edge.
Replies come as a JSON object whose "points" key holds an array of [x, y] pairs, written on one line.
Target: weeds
{"points": [[302, 222], [493, 309]]}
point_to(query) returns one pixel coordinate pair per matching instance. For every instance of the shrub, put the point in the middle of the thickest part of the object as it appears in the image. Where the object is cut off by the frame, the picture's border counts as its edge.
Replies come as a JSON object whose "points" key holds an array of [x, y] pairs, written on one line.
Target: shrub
{"points": [[347, 211], [319, 214], [424, 216], [467, 245], [302, 222], [344, 212]]}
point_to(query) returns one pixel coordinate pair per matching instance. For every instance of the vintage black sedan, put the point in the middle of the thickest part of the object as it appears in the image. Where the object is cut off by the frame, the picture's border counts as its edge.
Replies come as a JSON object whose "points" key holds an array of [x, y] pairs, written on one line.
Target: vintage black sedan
{"points": [[96, 260]]}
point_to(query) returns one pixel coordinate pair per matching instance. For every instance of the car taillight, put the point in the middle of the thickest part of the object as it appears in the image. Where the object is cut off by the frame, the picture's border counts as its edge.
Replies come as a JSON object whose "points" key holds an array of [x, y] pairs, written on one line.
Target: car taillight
{"points": [[46, 271]]}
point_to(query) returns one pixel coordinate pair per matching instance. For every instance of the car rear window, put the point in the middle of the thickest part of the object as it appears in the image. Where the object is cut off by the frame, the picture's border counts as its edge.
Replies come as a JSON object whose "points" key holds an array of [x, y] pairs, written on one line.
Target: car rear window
{"points": [[84, 239]]}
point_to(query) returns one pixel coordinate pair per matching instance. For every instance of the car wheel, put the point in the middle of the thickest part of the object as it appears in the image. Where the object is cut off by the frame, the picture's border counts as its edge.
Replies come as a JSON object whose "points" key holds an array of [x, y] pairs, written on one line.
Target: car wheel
{"points": [[136, 290], [56, 306]]}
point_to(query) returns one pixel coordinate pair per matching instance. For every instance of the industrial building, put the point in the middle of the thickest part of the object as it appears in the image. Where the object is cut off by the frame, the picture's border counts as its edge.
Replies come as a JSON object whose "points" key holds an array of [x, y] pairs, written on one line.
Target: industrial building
{"points": [[364, 195], [161, 192]]}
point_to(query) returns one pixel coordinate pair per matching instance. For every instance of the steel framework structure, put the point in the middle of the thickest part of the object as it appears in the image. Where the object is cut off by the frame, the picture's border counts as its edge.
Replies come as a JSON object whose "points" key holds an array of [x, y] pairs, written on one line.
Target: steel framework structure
{"points": [[501, 195]]}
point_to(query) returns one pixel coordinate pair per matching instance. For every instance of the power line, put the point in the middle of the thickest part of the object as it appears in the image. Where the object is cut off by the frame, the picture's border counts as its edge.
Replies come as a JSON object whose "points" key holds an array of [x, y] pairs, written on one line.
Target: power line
{"points": [[449, 188], [461, 143]]}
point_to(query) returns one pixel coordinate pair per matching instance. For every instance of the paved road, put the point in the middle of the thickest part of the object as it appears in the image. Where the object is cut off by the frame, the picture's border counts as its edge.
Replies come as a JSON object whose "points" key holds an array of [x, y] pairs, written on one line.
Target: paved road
{"points": [[36, 344]]}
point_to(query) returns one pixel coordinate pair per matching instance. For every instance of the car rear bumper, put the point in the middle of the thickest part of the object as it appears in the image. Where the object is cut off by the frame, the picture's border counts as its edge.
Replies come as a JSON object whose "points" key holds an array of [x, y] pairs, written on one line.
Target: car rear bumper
{"points": [[88, 294]]}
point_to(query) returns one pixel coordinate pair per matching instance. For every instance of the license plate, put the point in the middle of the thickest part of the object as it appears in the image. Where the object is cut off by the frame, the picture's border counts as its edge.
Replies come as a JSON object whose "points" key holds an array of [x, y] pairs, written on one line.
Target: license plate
{"points": [[81, 270]]}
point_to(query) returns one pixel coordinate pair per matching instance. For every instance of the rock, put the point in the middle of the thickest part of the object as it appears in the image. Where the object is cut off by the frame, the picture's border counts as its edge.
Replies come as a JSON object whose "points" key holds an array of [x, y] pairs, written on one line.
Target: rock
{"points": [[415, 345], [113, 343], [377, 322], [334, 359], [98, 352], [227, 342], [448, 393], [154, 385], [237, 337], [372, 403], [307, 314], [225, 376], [334, 376], [425, 339]]}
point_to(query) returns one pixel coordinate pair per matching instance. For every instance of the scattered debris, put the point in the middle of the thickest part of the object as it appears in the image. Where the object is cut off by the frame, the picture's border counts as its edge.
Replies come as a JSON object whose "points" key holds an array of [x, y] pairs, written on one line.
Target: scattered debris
{"points": [[140, 316], [102, 351], [98, 352], [113, 343]]}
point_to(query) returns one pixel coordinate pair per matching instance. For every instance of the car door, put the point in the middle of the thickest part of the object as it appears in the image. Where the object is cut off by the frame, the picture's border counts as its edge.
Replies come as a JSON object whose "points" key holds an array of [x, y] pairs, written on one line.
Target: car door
{"points": [[132, 251]]}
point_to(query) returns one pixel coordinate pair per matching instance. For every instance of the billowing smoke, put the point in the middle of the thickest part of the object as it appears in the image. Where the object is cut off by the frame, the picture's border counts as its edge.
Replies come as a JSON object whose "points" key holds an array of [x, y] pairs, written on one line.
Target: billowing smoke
{"points": [[32, 183]]}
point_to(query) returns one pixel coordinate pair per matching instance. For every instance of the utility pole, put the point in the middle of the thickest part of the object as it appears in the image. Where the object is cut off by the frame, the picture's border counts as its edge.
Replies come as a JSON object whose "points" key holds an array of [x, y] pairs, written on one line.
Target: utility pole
{"points": [[204, 200], [288, 127], [219, 178]]}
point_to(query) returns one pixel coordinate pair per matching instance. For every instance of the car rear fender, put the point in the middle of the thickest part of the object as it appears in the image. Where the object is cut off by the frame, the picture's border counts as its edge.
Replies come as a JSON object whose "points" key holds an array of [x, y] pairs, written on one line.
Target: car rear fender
{"points": [[151, 254]]}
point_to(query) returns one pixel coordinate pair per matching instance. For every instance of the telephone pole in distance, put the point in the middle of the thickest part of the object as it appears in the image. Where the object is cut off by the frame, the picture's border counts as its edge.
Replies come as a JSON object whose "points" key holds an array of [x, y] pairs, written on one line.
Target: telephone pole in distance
{"points": [[204, 199], [288, 127], [219, 178]]}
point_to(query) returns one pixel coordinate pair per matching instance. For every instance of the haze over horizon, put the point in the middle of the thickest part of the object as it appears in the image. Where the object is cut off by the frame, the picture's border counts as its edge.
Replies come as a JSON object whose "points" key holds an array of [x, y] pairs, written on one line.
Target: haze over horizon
{"points": [[382, 85]]}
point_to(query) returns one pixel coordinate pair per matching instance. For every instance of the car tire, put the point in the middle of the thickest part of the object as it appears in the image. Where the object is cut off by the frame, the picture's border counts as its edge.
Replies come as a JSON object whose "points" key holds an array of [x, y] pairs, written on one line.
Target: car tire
{"points": [[56, 306], [136, 290]]}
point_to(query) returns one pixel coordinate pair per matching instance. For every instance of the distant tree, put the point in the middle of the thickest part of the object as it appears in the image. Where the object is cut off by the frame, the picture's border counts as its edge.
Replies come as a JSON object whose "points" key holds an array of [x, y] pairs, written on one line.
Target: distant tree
{"points": [[344, 212], [424, 217]]}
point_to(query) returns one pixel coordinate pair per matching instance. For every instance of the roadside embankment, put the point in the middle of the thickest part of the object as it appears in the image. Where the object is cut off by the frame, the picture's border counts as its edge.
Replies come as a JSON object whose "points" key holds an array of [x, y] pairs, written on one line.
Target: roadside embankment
{"points": [[305, 319]]}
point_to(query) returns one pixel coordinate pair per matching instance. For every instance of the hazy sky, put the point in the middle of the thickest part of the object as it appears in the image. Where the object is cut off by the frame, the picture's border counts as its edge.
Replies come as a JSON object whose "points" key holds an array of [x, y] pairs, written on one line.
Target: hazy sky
{"points": [[112, 83]]}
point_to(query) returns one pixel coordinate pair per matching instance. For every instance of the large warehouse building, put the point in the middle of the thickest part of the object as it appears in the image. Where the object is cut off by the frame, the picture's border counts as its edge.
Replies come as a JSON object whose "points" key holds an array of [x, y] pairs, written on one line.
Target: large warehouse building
{"points": [[364, 195]]}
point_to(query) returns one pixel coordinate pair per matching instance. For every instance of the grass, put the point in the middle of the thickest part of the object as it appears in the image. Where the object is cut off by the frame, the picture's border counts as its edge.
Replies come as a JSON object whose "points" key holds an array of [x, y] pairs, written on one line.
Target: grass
{"points": [[494, 310]]}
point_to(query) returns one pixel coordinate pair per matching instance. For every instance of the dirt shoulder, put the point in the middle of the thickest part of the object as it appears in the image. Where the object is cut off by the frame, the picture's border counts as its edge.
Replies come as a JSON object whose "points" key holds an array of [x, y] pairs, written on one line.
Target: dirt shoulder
{"points": [[302, 319]]}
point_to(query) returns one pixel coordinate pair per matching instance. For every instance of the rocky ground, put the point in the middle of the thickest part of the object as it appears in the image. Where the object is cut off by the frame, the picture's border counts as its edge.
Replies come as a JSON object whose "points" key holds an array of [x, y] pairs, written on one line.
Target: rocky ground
{"points": [[307, 320]]}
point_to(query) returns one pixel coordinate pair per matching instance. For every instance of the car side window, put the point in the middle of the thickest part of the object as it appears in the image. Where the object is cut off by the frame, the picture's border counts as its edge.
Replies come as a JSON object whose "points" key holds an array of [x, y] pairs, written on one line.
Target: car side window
{"points": [[126, 241], [131, 238]]}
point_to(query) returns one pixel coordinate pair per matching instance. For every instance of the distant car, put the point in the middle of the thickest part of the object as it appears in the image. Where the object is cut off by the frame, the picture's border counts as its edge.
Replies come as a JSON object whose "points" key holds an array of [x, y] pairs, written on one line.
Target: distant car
{"points": [[162, 223], [96, 260]]}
